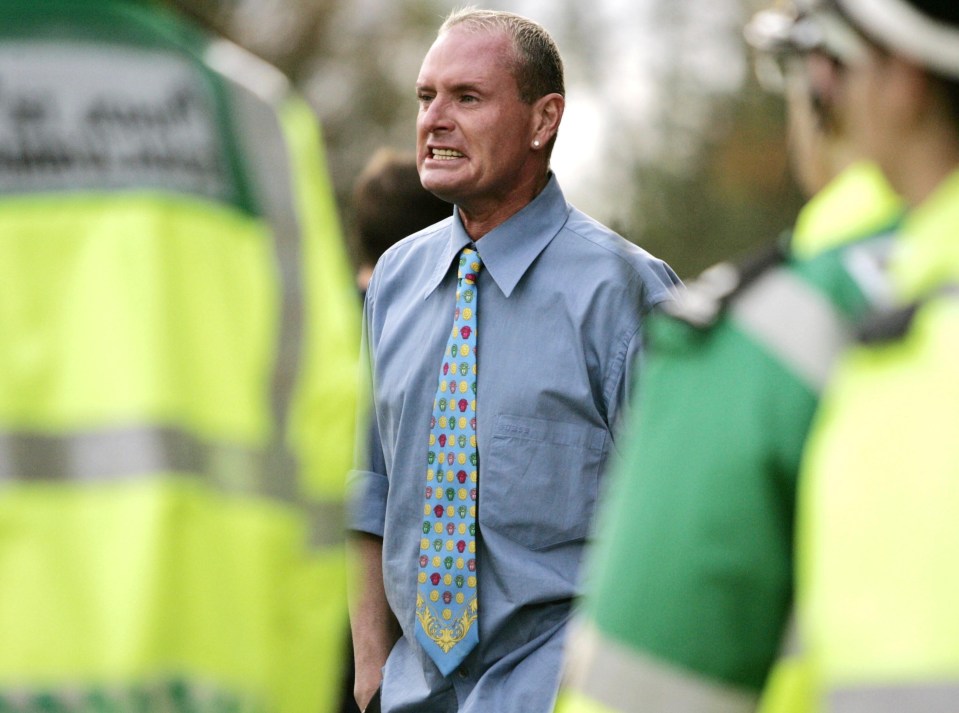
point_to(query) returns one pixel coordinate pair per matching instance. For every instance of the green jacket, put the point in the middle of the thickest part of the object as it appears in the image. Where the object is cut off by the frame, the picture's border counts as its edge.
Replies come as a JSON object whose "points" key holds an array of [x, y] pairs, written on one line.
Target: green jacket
{"points": [[176, 372], [690, 579]]}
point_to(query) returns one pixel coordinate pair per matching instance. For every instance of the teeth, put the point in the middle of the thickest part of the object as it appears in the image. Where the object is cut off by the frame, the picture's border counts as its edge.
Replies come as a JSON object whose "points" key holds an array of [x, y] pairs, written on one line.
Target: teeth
{"points": [[446, 154]]}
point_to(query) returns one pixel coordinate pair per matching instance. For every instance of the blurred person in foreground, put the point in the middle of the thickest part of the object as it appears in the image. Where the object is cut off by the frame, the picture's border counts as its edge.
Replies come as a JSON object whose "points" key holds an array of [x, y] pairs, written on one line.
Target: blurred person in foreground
{"points": [[879, 504], [492, 435], [177, 372], [690, 586], [389, 203]]}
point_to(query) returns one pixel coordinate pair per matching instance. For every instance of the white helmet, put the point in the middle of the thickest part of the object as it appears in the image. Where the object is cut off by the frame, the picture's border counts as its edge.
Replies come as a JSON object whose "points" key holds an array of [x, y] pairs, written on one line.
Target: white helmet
{"points": [[903, 27]]}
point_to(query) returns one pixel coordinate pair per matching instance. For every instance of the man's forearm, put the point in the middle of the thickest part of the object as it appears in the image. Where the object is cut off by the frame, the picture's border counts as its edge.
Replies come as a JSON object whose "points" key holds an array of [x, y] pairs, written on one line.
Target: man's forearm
{"points": [[375, 629]]}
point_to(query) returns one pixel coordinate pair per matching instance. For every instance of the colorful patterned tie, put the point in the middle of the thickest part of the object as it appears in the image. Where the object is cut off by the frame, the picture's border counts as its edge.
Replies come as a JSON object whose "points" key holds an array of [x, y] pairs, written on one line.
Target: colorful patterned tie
{"points": [[446, 604]]}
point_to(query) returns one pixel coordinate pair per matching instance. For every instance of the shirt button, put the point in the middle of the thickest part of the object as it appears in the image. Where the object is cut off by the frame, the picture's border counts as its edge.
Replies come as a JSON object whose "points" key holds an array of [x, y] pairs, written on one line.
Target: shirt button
{"points": [[462, 672]]}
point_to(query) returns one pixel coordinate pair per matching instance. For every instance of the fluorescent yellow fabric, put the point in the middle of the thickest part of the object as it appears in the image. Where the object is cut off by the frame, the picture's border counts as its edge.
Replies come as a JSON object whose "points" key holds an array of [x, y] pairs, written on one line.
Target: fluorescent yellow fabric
{"points": [[928, 252], [163, 273], [879, 588], [880, 495], [91, 605], [788, 688], [858, 202], [158, 310], [224, 569], [571, 701]]}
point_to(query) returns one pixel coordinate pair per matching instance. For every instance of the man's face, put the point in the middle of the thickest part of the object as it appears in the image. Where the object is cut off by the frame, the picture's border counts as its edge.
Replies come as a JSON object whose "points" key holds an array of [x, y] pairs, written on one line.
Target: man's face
{"points": [[473, 130]]}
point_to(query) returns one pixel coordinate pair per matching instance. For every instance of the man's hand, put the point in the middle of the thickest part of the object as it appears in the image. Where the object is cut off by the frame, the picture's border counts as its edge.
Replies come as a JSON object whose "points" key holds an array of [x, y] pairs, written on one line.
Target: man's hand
{"points": [[375, 629]]}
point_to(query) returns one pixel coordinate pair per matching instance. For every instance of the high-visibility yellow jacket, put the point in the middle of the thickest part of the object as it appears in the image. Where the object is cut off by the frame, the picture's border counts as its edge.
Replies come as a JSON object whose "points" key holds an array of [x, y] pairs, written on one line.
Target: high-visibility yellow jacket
{"points": [[177, 337], [879, 506], [689, 588]]}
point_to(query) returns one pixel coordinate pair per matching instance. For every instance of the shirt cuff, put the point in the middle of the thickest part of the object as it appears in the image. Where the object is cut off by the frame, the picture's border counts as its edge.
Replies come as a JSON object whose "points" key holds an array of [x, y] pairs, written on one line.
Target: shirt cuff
{"points": [[367, 493]]}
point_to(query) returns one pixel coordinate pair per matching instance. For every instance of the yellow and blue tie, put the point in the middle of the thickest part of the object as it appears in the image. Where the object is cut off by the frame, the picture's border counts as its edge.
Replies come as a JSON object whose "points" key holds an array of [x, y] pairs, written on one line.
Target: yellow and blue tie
{"points": [[446, 604]]}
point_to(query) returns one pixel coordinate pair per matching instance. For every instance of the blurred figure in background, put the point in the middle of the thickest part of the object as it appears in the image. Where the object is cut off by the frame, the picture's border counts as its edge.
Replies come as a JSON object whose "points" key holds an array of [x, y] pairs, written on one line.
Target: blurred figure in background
{"points": [[389, 203], [690, 586], [501, 343], [177, 372], [879, 504]]}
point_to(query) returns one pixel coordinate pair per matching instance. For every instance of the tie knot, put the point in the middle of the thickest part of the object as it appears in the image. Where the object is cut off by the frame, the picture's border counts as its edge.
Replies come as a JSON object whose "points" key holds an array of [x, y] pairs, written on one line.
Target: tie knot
{"points": [[470, 264]]}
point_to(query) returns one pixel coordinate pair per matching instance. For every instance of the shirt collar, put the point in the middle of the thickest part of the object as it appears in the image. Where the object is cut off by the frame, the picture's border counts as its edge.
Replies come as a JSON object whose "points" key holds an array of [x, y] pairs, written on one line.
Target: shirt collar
{"points": [[508, 250]]}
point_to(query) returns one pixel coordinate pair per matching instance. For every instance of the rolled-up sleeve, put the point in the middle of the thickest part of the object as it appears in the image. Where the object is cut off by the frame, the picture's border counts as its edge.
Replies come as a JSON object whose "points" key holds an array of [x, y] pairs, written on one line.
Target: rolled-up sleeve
{"points": [[367, 483], [367, 494]]}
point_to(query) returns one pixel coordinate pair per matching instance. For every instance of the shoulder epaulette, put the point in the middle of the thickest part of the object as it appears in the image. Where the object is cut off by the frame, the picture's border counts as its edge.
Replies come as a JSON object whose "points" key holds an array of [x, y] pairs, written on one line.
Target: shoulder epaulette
{"points": [[705, 298], [889, 325]]}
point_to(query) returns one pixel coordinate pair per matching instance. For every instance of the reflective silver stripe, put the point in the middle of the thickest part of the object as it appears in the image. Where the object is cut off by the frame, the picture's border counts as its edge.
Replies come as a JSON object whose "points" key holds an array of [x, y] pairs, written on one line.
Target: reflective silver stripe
{"points": [[246, 69], [327, 524], [124, 454], [938, 697], [271, 174], [268, 162], [254, 98], [794, 321], [627, 680]]}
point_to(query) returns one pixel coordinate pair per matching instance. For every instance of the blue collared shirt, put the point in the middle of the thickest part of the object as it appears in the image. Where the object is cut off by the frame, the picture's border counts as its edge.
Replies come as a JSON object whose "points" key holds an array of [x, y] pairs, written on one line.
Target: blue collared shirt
{"points": [[561, 300]]}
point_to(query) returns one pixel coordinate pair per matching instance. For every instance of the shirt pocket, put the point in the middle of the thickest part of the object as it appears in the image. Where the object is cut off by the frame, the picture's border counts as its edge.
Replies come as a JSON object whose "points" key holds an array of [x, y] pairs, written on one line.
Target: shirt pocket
{"points": [[541, 479]]}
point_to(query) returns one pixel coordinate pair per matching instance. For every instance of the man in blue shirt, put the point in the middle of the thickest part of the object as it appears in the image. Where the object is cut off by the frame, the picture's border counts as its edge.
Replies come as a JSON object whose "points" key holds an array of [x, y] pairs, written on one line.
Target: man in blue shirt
{"points": [[560, 301]]}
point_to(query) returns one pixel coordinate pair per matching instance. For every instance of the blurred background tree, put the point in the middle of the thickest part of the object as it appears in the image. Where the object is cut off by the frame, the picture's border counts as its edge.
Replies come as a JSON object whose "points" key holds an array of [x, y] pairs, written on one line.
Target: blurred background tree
{"points": [[667, 137]]}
